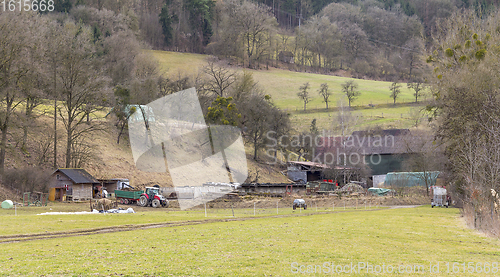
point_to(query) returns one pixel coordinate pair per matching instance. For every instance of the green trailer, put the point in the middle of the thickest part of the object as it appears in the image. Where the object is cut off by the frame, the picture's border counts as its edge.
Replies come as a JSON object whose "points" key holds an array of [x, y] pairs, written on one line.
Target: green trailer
{"points": [[128, 196]]}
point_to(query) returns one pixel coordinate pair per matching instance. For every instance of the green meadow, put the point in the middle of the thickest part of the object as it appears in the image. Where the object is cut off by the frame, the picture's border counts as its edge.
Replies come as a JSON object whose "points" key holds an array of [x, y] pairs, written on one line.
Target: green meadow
{"points": [[374, 106], [412, 241]]}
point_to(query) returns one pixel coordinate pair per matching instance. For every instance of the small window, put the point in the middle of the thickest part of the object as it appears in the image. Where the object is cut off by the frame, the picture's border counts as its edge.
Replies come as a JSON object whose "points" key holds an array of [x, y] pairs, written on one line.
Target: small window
{"points": [[58, 176]]}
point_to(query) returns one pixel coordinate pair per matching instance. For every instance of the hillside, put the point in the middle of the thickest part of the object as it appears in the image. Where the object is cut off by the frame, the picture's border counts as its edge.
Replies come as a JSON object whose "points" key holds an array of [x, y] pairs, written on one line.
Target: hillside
{"points": [[374, 106], [111, 160]]}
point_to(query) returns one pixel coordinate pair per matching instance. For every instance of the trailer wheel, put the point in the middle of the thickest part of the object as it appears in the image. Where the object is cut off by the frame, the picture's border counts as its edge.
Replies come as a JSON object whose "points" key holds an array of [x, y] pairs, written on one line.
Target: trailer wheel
{"points": [[294, 207], [125, 201], [305, 207], [155, 203]]}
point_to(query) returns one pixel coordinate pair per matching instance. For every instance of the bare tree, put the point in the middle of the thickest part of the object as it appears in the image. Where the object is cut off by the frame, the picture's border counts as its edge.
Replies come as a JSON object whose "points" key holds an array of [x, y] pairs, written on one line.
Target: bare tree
{"points": [[220, 78], [395, 91], [418, 87], [303, 94], [259, 116], [325, 93], [249, 26], [350, 89], [52, 44], [82, 87], [17, 40]]}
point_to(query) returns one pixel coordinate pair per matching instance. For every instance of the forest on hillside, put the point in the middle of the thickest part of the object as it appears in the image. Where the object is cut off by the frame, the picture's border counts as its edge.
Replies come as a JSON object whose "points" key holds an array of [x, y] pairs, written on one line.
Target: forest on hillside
{"points": [[67, 77], [377, 39]]}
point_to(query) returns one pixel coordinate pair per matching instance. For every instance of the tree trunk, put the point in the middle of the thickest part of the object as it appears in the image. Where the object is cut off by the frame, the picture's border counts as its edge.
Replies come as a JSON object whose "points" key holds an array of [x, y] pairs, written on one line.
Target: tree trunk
{"points": [[55, 122], [121, 132], [68, 146], [3, 144], [25, 125], [2, 148], [255, 147]]}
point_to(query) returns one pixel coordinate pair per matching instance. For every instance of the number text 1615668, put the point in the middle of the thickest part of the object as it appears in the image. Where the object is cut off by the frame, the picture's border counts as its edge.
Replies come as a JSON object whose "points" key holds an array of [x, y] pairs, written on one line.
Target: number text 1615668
{"points": [[26, 5]]}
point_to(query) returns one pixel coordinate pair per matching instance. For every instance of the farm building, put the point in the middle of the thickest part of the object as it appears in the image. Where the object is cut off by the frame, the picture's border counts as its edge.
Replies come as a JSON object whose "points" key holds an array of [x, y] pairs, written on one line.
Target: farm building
{"points": [[71, 184], [110, 185], [305, 171], [383, 151], [410, 179]]}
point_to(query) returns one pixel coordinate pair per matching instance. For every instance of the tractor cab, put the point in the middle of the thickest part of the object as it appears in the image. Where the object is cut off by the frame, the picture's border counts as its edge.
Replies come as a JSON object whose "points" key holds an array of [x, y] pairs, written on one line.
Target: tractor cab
{"points": [[152, 192], [153, 197]]}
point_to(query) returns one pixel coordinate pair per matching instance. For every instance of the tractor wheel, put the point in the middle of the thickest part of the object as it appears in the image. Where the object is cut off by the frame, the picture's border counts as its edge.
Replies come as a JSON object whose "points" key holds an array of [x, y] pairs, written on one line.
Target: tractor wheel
{"points": [[155, 203], [143, 201], [305, 207]]}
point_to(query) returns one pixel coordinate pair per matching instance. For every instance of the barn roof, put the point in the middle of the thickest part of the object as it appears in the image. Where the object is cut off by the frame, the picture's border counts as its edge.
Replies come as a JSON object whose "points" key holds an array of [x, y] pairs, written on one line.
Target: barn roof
{"points": [[78, 175]]}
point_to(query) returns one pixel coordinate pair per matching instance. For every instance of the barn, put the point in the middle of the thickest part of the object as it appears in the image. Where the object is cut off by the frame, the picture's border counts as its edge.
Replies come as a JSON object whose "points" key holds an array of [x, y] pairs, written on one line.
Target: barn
{"points": [[71, 184]]}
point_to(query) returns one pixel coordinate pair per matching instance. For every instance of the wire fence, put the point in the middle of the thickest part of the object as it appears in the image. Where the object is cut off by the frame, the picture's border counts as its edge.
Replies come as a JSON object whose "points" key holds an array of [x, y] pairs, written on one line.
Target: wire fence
{"points": [[270, 208]]}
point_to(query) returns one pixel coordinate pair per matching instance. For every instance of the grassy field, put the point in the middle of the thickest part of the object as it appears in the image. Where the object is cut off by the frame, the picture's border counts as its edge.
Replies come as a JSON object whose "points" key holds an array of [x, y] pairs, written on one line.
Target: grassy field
{"points": [[403, 238], [283, 86], [28, 220]]}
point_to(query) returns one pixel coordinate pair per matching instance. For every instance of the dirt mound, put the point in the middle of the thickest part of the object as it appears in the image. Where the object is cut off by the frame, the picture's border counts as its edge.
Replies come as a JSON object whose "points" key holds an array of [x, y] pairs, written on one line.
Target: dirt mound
{"points": [[352, 188]]}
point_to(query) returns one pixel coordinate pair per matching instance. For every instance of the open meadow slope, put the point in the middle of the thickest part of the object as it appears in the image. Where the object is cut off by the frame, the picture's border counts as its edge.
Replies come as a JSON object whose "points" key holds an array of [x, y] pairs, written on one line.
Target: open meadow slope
{"points": [[410, 240], [374, 106]]}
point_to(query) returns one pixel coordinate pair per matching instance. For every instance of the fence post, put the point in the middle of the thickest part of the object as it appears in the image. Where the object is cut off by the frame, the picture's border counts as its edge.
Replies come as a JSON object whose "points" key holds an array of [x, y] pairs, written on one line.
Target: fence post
{"points": [[277, 206], [253, 208], [205, 209]]}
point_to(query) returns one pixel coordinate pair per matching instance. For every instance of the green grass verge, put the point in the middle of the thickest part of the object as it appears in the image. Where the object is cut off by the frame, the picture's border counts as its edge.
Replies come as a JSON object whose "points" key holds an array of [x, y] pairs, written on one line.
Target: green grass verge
{"points": [[406, 237]]}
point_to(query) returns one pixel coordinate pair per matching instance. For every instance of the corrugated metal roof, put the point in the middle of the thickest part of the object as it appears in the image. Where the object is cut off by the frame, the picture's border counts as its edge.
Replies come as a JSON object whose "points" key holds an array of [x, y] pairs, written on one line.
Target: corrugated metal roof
{"points": [[78, 175], [312, 164]]}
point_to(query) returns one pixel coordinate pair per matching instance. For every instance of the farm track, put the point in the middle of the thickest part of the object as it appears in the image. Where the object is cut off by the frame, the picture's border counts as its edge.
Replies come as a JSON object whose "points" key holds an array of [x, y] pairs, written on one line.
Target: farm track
{"points": [[133, 227]]}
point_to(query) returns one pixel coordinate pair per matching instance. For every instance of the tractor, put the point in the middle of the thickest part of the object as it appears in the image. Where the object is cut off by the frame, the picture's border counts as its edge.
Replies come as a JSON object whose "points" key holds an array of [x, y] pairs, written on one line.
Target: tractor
{"points": [[152, 197]]}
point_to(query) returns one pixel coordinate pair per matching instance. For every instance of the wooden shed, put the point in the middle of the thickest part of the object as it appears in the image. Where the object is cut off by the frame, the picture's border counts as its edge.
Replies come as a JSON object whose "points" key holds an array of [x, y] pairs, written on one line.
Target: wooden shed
{"points": [[71, 184], [111, 185]]}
